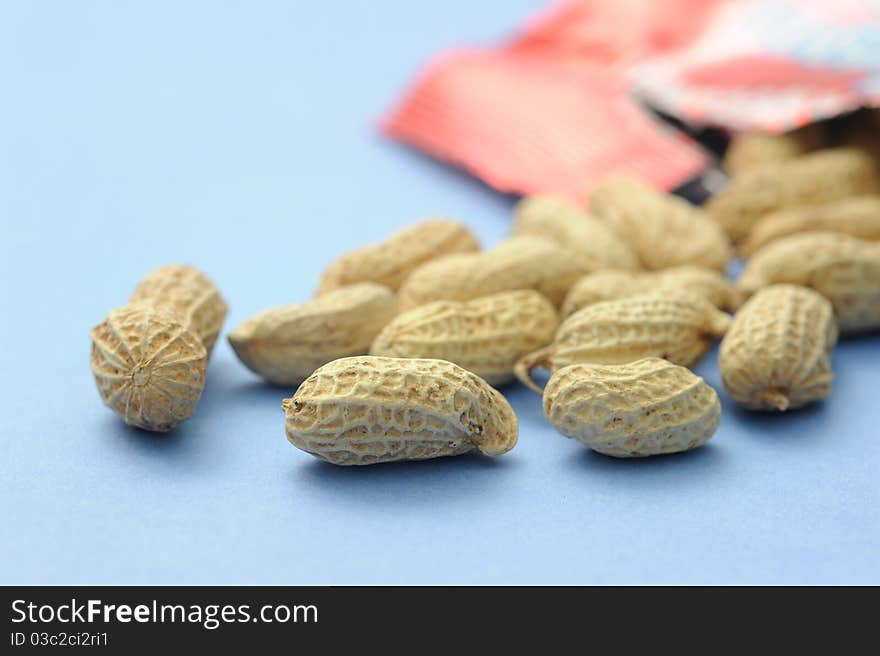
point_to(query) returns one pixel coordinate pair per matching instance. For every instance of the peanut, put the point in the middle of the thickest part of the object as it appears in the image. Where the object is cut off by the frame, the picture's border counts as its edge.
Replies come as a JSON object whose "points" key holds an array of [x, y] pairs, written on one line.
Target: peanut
{"points": [[390, 262], [186, 291], [643, 408], [678, 327], [749, 151], [149, 366], [776, 355], [610, 285], [814, 179], [485, 336], [858, 216], [844, 269], [522, 262], [565, 223], [149, 358], [286, 344], [664, 230], [365, 410]]}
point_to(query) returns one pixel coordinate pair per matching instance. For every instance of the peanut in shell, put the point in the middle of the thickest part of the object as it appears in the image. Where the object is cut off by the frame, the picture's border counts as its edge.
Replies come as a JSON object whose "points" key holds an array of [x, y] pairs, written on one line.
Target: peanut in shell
{"points": [[367, 410], [486, 335], [149, 366], [391, 261], [644, 408], [285, 344], [777, 353], [520, 262], [664, 230], [844, 269], [560, 220], [678, 327]]}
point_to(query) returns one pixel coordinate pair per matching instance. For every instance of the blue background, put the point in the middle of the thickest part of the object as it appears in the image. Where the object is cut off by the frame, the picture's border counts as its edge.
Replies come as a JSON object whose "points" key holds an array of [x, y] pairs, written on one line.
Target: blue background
{"points": [[241, 137]]}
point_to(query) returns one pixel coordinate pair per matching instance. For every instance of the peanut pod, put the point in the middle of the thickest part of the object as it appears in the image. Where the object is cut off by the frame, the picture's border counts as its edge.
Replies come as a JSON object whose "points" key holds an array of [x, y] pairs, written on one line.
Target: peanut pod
{"points": [[845, 270], [677, 327], [777, 353], [366, 410], [286, 344], [643, 408]]}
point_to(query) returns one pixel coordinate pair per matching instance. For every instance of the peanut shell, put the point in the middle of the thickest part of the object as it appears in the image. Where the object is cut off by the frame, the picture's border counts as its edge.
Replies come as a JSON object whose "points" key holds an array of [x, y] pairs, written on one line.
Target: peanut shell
{"points": [[814, 179], [486, 336], [777, 353], [643, 408], [366, 410], [188, 292], [663, 229], [562, 221], [844, 269], [522, 262], [286, 344], [678, 327], [610, 285], [391, 261], [149, 366], [858, 216], [749, 151]]}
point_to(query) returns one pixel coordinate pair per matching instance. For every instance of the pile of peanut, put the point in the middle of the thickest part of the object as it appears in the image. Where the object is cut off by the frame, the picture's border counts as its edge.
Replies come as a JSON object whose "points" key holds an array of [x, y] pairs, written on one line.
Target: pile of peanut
{"points": [[399, 353]]}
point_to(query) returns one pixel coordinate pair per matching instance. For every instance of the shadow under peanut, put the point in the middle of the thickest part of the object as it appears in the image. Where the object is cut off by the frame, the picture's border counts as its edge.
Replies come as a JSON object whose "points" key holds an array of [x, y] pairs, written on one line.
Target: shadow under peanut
{"points": [[460, 479], [707, 457], [801, 424], [258, 392], [183, 446], [690, 469]]}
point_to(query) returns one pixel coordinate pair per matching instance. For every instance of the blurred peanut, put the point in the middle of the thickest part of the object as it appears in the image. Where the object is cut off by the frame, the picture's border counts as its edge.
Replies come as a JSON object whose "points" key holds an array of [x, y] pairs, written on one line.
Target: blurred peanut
{"points": [[187, 292], [522, 262], [486, 335], [749, 151], [286, 344], [844, 269], [562, 221], [814, 179], [612, 285], [391, 261], [858, 216], [664, 230]]}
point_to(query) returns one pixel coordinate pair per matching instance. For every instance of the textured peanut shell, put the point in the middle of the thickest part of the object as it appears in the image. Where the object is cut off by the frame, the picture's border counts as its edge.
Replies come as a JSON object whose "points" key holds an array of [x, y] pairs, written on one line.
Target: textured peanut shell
{"points": [[391, 261], [610, 285], [644, 408], [186, 291], [486, 336], [677, 327], [286, 344], [777, 353], [562, 221], [522, 262], [814, 179], [858, 216], [366, 410], [664, 230], [149, 366], [749, 151], [844, 269]]}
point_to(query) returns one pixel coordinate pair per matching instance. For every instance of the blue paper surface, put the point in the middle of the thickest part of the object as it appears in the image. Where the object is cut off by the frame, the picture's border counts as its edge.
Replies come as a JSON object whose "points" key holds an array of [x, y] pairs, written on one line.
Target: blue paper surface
{"points": [[240, 137]]}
